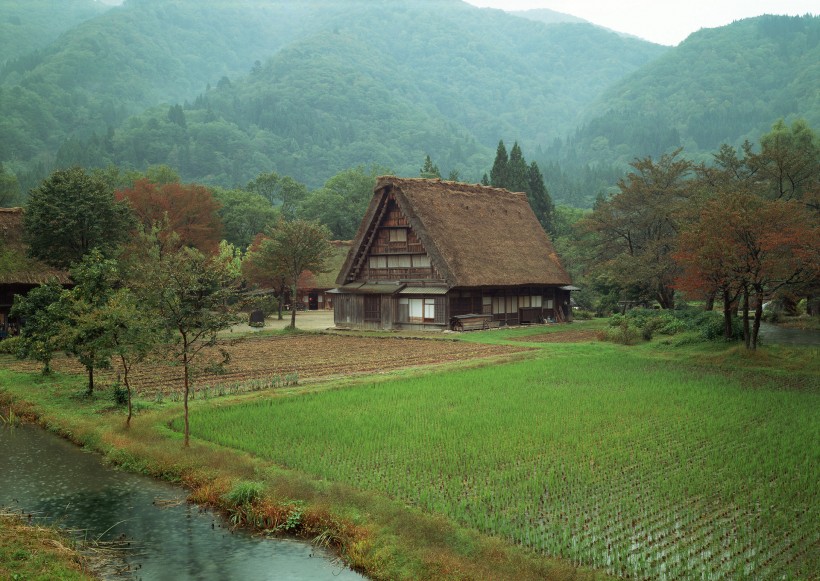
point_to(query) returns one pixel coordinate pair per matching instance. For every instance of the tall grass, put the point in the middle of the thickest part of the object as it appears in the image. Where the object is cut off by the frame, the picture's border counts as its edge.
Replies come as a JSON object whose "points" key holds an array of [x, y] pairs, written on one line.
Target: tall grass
{"points": [[592, 453]]}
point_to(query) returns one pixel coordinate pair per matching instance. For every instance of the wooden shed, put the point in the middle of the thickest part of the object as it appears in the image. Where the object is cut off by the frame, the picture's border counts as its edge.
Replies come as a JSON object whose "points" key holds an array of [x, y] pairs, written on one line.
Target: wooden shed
{"points": [[313, 289], [18, 273], [430, 252]]}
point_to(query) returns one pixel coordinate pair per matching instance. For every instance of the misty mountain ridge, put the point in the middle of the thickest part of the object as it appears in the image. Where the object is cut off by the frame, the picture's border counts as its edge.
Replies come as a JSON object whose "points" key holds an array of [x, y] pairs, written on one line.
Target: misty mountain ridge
{"points": [[311, 88]]}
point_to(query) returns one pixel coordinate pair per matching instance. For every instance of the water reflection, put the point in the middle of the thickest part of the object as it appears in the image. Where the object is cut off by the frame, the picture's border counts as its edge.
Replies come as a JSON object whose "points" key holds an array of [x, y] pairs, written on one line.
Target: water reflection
{"points": [[774, 334], [169, 539]]}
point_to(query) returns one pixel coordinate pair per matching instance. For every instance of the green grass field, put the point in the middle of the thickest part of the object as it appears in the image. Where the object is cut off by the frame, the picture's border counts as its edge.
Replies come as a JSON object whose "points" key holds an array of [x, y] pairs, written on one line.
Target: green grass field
{"points": [[643, 462]]}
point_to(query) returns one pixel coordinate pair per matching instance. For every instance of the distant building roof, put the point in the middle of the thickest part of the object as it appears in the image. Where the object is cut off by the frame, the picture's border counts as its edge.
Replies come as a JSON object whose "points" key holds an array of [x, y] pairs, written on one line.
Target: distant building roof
{"points": [[326, 280], [15, 266]]}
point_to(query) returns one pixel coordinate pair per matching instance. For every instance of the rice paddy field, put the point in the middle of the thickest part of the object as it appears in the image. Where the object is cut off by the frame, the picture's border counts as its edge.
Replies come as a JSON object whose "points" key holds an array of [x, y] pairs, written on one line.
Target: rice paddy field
{"points": [[599, 454]]}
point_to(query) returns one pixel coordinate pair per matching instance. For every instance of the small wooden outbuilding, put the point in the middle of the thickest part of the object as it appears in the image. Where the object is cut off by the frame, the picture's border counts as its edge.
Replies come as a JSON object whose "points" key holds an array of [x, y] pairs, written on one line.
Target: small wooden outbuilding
{"points": [[18, 273], [314, 289], [430, 252]]}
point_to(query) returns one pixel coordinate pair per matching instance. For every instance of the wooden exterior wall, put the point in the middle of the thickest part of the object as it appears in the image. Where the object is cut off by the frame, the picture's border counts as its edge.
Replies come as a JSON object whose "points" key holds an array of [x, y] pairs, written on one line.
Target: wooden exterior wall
{"points": [[386, 311]]}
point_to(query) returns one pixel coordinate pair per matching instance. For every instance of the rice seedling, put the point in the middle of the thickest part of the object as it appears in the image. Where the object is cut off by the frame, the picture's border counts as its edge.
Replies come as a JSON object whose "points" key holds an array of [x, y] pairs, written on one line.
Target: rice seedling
{"points": [[596, 455]]}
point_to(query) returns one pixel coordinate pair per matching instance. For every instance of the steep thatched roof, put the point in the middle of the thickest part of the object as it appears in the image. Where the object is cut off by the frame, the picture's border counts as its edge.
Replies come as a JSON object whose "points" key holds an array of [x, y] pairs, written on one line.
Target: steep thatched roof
{"points": [[475, 235], [326, 280], [15, 266]]}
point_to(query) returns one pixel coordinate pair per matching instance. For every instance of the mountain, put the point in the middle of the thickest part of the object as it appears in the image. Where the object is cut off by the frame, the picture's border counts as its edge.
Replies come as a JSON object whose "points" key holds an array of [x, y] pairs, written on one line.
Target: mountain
{"points": [[721, 85], [548, 16], [437, 76], [30, 25]]}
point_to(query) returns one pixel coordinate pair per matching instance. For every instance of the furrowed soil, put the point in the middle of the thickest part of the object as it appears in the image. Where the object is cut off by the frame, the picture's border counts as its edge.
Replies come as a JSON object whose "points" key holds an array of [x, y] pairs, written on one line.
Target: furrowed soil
{"points": [[309, 356]]}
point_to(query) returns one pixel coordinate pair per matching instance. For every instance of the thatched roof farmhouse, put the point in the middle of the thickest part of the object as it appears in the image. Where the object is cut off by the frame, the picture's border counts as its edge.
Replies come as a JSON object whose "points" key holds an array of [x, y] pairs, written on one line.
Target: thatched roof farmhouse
{"points": [[433, 254], [19, 273]]}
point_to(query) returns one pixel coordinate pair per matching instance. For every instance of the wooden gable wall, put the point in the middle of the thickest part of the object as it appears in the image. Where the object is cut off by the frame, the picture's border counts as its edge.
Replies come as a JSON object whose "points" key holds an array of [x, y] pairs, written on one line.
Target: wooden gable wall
{"points": [[396, 253]]}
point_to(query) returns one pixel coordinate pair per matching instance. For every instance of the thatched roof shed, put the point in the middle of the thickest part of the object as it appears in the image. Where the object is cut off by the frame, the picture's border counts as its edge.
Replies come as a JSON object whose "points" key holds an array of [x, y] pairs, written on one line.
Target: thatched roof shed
{"points": [[476, 236], [326, 280], [16, 268]]}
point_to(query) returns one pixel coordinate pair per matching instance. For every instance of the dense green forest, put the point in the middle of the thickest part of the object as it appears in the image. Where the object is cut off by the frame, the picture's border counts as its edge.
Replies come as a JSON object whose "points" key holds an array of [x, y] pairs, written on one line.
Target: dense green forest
{"points": [[31, 25], [721, 85], [303, 88], [223, 92]]}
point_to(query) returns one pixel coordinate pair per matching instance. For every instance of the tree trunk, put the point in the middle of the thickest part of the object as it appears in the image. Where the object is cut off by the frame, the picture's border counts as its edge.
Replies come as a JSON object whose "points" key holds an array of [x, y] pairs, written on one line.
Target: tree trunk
{"points": [[90, 390], [747, 339], [128, 390], [279, 304], [666, 297], [727, 315], [710, 301], [758, 318], [185, 394], [293, 308]]}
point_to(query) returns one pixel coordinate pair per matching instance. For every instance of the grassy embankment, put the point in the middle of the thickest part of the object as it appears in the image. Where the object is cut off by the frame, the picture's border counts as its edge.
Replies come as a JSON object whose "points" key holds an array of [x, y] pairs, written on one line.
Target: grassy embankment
{"points": [[636, 460], [37, 553]]}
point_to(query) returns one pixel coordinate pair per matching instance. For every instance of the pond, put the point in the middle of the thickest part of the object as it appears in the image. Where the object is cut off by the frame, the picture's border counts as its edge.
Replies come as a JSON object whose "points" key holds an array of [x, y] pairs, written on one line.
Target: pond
{"points": [[168, 538], [775, 334]]}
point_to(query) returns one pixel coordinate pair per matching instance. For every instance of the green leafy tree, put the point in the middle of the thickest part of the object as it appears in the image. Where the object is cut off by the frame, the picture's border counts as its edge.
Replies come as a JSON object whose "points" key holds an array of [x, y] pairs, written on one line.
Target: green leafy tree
{"points": [[632, 235], [133, 334], [789, 162], [190, 293], [279, 190], [71, 213], [84, 330], [261, 267], [42, 318], [341, 203], [293, 248], [244, 215]]}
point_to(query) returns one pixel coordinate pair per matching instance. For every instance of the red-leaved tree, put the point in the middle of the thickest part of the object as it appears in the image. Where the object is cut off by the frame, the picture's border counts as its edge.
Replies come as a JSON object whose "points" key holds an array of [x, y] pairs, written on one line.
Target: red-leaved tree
{"points": [[191, 211], [744, 245]]}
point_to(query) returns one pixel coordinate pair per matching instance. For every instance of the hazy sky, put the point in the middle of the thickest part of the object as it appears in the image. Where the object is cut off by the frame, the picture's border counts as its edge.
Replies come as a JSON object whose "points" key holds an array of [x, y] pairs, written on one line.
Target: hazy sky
{"points": [[662, 21]]}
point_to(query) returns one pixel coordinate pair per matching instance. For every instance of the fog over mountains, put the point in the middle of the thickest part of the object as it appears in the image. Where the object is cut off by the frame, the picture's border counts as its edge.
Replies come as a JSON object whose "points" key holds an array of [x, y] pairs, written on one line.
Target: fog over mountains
{"points": [[223, 91]]}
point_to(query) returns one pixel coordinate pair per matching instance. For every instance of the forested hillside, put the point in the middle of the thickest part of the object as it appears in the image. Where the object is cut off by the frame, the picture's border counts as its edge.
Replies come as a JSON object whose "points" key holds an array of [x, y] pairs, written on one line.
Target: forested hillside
{"points": [[721, 85], [304, 87], [27, 26], [224, 91]]}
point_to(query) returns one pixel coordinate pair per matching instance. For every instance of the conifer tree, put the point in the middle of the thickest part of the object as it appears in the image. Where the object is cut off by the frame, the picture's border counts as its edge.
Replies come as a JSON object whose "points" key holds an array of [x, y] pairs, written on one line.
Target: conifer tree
{"points": [[517, 178], [539, 198], [429, 169], [498, 175]]}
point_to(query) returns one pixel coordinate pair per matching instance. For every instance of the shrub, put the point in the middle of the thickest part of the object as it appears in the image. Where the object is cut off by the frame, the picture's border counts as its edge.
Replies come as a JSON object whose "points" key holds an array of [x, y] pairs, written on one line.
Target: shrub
{"points": [[119, 393], [244, 492], [624, 333]]}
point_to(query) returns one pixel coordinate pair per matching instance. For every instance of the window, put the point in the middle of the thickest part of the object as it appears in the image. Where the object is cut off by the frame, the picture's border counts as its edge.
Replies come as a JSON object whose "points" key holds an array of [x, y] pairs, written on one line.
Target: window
{"points": [[398, 235], [536, 301], [421, 261], [372, 308], [378, 262], [549, 303], [419, 310], [398, 261]]}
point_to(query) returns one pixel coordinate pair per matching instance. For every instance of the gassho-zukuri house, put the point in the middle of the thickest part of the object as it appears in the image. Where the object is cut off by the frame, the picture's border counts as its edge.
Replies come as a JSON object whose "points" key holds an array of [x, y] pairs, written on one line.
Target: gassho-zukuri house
{"points": [[433, 254]]}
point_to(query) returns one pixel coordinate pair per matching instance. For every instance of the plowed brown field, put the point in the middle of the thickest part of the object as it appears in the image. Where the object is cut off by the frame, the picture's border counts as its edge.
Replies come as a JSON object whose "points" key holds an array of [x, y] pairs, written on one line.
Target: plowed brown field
{"points": [[310, 356]]}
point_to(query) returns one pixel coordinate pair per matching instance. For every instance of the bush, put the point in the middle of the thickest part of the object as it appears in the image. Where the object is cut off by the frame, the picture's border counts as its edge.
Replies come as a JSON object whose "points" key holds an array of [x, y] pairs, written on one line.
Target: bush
{"points": [[582, 315], [119, 393], [625, 333], [244, 493], [645, 323]]}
